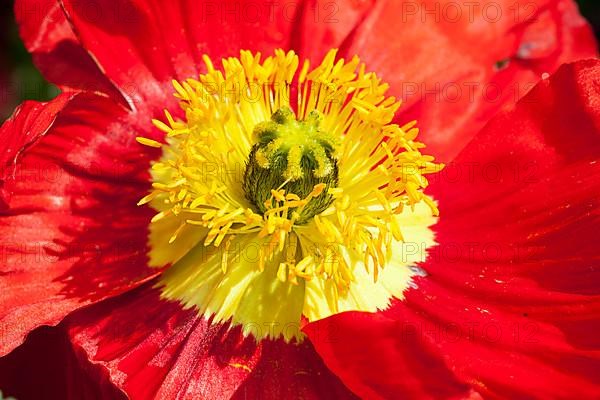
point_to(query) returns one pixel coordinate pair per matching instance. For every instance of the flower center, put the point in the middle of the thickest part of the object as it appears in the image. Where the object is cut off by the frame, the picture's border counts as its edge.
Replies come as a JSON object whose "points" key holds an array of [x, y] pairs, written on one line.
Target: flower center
{"points": [[294, 155], [274, 209]]}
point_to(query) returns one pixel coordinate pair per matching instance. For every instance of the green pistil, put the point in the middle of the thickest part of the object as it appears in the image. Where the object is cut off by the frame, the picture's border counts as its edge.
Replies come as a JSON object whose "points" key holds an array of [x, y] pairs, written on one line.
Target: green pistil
{"points": [[295, 155]]}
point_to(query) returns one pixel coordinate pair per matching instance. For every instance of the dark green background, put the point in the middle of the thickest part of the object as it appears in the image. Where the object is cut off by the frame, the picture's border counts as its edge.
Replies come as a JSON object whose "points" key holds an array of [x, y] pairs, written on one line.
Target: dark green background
{"points": [[19, 80]]}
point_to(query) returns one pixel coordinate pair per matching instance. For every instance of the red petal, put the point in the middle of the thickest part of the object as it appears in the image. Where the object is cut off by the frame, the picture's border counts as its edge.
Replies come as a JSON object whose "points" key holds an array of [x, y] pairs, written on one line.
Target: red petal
{"points": [[511, 305], [55, 49], [166, 352], [71, 233], [46, 367], [327, 25], [378, 359], [142, 45], [441, 59], [30, 121]]}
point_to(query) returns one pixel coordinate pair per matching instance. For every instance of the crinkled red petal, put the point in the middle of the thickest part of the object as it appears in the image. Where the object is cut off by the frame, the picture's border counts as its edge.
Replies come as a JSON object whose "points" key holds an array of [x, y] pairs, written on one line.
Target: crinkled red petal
{"points": [[510, 306], [56, 50], [70, 231], [154, 349], [456, 64]]}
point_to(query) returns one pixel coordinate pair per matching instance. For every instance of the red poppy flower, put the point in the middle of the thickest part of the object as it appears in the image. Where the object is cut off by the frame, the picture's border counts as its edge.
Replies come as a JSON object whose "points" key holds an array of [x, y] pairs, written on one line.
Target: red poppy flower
{"points": [[346, 293]]}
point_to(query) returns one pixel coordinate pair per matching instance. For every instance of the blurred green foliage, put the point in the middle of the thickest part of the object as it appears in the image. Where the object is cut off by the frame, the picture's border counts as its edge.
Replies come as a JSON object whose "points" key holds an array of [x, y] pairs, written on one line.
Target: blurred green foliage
{"points": [[20, 80], [591, 10]]}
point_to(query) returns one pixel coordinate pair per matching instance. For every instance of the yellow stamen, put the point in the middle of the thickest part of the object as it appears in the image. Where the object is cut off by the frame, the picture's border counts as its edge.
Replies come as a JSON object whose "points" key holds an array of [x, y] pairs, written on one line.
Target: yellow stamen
{"points": [[309, 248]]}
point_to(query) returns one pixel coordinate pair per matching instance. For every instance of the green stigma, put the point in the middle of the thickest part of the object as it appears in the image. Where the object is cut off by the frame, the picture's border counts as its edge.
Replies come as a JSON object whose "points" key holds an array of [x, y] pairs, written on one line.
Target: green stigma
{"points": [[293, 155]]}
